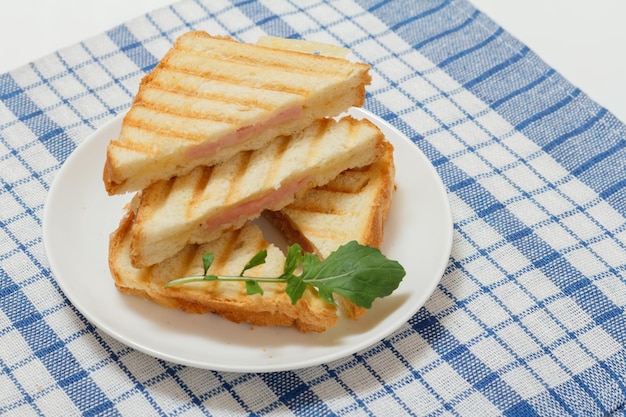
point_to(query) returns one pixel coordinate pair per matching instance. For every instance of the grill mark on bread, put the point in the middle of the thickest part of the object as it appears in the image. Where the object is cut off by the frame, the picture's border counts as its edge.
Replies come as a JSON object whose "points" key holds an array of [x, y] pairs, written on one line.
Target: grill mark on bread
{"points": [[234, 189], [188, 260], [313, 207], [352, 182], [320, 200], [299, 63], [203, 180], [220, 261], [282, 144], [160, 192], [145, 148], [139, 118], [170, 134], [164, 105], [319, 134], [160, 102], [176, 86], [258, 82], [185, 260]]}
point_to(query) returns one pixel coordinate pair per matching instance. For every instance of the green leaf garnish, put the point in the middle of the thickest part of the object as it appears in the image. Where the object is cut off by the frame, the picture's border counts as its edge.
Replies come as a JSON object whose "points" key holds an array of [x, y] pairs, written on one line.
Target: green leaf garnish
{"points": [[207, 260], [358, 272], [293, 260], [253, 287], [258, 259], [187, 280]]}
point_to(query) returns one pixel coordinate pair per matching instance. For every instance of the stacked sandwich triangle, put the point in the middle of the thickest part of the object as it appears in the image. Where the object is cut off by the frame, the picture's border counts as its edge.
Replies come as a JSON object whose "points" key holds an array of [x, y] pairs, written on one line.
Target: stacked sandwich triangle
{"points": [[221, 132]]}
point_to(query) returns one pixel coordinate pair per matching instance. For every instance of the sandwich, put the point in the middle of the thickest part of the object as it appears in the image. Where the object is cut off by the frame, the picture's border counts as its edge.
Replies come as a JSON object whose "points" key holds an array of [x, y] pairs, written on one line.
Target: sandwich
{"points": [[228, 299], [353, 206], [220, 132], [210, 98], [211, 200]]}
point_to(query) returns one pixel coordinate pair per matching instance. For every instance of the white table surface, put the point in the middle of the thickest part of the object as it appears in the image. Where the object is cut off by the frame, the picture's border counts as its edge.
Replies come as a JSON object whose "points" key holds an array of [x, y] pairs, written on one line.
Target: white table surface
{"points": [[583, 40]]}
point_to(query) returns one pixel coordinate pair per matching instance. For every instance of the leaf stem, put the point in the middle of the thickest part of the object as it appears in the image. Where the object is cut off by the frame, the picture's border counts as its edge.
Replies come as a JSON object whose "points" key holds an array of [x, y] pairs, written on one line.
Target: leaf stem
{"points": [[232, 278]]}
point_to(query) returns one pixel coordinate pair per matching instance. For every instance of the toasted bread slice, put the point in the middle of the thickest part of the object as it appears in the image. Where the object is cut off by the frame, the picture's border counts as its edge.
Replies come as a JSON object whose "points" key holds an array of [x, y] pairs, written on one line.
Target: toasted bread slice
{"points": [[227, 299], [209, 201], [353, 206], [212, 97]]}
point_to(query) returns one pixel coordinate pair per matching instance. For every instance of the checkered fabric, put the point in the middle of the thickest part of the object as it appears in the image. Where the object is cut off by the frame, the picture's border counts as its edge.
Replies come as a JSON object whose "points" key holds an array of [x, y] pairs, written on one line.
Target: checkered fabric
{"points": [[528, 318]]}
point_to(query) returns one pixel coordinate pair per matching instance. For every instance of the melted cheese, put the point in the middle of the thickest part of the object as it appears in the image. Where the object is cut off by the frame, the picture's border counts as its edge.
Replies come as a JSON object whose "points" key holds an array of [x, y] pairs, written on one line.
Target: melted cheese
{"points": [[299, 45]]}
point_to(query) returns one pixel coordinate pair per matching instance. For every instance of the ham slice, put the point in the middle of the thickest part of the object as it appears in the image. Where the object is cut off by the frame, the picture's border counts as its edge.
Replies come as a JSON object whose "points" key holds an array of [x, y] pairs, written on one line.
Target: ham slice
{"points": [[249, 210], [243, 133]]}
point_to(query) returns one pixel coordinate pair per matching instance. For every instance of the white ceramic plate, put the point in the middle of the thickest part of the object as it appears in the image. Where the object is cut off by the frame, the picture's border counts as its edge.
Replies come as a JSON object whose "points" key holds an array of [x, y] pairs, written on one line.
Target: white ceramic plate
{"points": [[79, 216]]}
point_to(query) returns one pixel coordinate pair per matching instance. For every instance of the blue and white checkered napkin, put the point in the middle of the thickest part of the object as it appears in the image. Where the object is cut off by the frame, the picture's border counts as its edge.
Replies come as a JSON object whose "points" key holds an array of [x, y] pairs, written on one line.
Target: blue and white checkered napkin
{"points": [[527, 320]]}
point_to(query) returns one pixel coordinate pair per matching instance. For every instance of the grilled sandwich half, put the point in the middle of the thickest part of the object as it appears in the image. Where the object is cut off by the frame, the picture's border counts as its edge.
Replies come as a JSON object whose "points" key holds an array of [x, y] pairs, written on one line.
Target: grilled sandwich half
{"points": [[353, 206], [228, 299], [212, 97], [200, 206]]}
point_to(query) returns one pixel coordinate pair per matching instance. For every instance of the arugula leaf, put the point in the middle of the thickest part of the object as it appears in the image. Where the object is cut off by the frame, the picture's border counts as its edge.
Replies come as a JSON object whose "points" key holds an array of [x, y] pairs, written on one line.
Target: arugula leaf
{"points": [[294, 259], [358, 272], [253, 287], [207, 260], [295, 288], [258, 259]]}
